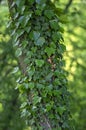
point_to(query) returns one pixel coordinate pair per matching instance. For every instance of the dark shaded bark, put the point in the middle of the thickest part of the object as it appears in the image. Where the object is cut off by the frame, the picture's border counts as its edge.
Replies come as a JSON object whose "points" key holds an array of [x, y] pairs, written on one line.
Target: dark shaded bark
{"points": [[68, 5]]}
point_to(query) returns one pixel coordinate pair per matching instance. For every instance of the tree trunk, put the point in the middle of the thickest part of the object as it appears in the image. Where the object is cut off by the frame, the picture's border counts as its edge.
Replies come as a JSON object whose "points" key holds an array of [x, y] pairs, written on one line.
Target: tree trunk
{"points": [[36, 23]]}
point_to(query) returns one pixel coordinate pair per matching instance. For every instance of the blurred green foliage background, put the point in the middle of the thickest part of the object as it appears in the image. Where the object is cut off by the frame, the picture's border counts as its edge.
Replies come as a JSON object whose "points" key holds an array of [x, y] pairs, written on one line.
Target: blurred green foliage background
{"points": [[75, 56]]}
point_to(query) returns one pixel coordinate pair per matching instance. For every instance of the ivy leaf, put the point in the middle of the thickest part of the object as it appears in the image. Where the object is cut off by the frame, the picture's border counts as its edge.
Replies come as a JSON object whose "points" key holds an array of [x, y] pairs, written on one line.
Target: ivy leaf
{"points": [[50, 87], [31, 71], [56, 36], [34, 49], [57, 82], [62, 48], [23, 105], [31, 35], [40, 1], [54, 25], [25, 113], [59, 128], [19, 3], [49, 76], [40, 41], [27, 29], [40, 86], [56, 72], [23, 20], [61, 109], [65, 125], [53, 45], [36, 35], [57, 93], [24, 43], [31, 1], [20, 32], [29, 54], [38, 12], [16, 16], [18, 52], [31, 85], [49, 13], [36, 99], [50, 51], [39, 63], [26, 85], [48, 107], [26, 19], [16, 69]]}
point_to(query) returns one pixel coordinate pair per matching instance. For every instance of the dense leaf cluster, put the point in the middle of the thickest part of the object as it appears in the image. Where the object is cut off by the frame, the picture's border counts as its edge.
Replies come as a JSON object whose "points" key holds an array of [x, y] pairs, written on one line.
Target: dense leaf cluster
{"points": [[39, 47]]}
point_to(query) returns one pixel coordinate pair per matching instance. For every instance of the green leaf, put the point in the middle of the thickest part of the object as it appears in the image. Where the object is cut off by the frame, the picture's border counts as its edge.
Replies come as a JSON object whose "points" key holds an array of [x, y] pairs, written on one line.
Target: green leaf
{"points": [[23, 105], [65, 125], [26, 86], [31, 1], [15, 70], [62, 48], [24, 43], [57, 82], [26, 19], [54, 25], [59, 128], [50, 51], [56, 72], [49, 76], [18, 52], [56, 36], [34, 49], [53, 45], [31, 85], [40, 41], [29, 54], [50, 87], [16, 43], [27, 29], [20, 32], [40, 1], [36, 35], [23, 20], [31, 71], [39, 63], [38, 12], [61, 109], [48, 107], [49, 13], [31, 35], [57, 92], [19, 3], [36, 99], [40, 86]]}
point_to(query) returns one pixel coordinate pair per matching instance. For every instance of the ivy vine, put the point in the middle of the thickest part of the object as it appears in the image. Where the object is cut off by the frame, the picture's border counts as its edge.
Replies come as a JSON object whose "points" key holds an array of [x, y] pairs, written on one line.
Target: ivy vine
{"points": [[37, 35]]}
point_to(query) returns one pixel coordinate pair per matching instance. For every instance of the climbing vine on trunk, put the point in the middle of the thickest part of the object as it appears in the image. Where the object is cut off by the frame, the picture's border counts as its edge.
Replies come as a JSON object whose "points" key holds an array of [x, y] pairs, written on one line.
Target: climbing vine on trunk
{"points": [[37, 36]]}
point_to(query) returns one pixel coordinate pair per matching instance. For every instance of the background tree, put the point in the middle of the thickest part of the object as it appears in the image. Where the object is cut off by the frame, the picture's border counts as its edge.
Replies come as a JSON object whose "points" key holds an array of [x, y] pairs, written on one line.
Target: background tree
{"points": [[9, 97], [75, 58]]}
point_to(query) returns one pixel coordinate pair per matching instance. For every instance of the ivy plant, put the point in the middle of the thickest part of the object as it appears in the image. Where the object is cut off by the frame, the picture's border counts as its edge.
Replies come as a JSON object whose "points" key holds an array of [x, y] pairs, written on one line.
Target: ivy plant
{"points": [[37, 38]]}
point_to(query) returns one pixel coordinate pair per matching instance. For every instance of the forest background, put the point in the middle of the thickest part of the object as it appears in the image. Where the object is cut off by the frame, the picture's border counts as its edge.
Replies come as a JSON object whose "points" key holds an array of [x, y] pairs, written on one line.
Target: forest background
{"points": [[75, 57]]}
